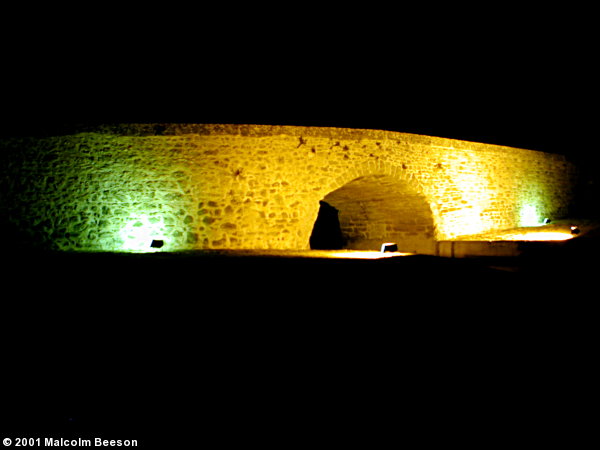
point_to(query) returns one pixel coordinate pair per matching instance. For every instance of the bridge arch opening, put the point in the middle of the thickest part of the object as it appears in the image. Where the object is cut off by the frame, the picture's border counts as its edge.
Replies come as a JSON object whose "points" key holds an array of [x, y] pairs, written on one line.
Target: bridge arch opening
{"points": [[371, 210]]}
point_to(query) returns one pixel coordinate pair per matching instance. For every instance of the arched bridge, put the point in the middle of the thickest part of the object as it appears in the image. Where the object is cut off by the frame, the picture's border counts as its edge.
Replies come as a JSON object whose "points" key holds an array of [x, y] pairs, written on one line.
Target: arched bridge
{"points": [[182, 187]]}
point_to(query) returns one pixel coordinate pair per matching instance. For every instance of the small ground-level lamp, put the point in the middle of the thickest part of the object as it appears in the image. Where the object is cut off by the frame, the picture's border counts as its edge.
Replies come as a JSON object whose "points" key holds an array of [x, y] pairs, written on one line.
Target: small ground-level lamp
{"points": [[157, 243], [389, 247]]}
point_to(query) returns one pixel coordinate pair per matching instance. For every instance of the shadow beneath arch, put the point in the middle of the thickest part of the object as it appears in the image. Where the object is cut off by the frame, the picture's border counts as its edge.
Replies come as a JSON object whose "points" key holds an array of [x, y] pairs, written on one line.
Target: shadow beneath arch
{"points": [[370, 210], [327, 233]]}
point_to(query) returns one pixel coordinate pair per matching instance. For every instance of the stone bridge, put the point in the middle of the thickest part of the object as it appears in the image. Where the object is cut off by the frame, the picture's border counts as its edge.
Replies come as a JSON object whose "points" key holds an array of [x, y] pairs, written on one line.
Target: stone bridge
{"points": [[186, 187]]}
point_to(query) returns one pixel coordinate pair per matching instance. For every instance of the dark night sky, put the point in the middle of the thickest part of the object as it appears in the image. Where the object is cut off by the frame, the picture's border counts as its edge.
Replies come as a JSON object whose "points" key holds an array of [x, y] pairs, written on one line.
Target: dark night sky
{"points": [[504, 76]]}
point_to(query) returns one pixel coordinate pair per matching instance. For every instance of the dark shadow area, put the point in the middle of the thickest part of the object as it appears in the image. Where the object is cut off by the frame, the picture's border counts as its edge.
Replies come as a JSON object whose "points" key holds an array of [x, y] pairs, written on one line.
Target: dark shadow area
{"points": [[164, 347], [327, 233], [378, 208]]}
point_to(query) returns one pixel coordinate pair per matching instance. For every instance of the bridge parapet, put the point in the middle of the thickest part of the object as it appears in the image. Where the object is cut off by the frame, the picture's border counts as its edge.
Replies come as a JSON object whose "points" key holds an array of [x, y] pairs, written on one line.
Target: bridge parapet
{"points": [[119, 187]]}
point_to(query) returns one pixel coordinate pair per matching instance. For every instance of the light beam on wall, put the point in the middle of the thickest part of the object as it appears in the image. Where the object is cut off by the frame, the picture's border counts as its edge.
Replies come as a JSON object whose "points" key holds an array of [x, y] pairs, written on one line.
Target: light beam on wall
{"points": [[471, 197], [140, 232], [539, 236], [467, 221], [358, 254], [529, 216]]}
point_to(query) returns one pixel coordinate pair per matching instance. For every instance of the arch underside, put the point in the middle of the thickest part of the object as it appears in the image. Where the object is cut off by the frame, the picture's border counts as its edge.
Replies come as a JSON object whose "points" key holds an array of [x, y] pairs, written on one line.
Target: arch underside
{"points": [[379, 208]]}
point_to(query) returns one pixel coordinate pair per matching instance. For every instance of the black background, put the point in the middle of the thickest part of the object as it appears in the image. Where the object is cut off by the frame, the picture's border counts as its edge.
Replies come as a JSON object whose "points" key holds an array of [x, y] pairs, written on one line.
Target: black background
{"points": [[504, 75]]}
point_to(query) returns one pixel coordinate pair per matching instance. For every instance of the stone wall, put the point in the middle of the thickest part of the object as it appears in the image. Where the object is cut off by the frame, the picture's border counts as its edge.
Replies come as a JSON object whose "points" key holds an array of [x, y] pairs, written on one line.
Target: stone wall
{"points": [[118, 188], [377, 206]]}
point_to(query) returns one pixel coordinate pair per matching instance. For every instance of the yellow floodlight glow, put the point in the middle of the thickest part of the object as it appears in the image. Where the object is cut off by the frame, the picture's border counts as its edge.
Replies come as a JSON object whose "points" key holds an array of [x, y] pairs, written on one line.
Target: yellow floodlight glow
{"points": [[468, 221], [349, 254], [539, 236]]}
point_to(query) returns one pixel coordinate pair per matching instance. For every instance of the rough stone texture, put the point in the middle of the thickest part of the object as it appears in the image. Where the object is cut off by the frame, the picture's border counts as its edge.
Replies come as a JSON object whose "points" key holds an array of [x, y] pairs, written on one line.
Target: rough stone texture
{"points": [[116, 188], [378, 206]]}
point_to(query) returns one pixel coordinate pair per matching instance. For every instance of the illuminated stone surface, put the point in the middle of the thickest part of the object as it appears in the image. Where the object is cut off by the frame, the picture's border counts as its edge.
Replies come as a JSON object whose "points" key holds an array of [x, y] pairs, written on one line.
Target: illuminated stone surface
{"points": [[119, 188]]}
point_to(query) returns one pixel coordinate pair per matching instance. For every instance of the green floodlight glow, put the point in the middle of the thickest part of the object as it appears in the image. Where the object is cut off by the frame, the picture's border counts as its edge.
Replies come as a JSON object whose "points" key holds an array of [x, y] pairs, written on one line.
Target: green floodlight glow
{"points": [[529, 216], [140, 232]]}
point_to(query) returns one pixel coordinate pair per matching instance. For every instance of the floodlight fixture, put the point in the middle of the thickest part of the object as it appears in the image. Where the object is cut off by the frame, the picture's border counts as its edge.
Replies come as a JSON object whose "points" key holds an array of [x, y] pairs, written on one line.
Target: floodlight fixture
{"points": [[157, 243], [389, 247]]}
